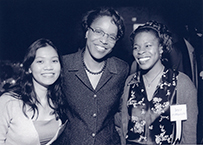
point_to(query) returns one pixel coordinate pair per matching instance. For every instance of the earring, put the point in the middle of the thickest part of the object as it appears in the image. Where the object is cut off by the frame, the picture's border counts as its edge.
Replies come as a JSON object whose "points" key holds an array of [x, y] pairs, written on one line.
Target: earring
{"points": [[161, 55], [29, 71], [161, 52]]}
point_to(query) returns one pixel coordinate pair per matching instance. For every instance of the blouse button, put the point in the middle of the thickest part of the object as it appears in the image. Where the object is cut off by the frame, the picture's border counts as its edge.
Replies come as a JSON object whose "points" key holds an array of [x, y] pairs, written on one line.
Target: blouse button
{"points": [[95, 95], [93, 134], [94, 115]]}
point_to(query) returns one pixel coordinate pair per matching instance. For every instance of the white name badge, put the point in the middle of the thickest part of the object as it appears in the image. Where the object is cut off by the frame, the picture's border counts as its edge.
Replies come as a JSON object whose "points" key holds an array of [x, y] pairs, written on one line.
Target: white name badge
{"points": [[178, 112]]}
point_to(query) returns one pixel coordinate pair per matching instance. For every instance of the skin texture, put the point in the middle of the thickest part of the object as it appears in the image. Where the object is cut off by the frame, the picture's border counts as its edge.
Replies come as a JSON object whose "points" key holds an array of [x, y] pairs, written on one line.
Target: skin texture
{"points": [[96, 47], [46, 66], [147, 51], [15, 127]]}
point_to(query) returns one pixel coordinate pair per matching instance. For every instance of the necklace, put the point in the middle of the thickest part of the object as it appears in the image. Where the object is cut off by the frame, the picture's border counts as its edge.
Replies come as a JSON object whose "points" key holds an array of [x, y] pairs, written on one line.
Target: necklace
{"points": [[149, 84], [94, 73]]}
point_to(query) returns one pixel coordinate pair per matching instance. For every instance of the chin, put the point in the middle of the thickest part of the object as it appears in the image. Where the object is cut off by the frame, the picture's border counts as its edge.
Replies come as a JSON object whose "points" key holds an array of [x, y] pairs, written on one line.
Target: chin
{"points": [[144, 67], [48, 83], [99, 57]]}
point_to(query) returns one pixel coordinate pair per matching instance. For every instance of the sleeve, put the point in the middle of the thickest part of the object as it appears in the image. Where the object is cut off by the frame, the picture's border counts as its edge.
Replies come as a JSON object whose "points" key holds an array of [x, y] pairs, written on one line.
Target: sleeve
{"points": [[124, 111], [117, 116], [187, 94], [4, 117]]}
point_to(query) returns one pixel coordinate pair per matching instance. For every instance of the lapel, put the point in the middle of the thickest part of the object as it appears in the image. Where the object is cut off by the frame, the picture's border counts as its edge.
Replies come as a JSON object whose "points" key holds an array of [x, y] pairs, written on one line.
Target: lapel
{"points": [[77, 66], [109, 72]]}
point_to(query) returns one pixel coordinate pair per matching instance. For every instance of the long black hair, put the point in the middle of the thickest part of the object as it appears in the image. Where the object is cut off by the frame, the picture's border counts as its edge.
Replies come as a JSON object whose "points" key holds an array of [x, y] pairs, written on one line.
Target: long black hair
{"points": [[24, 89]]}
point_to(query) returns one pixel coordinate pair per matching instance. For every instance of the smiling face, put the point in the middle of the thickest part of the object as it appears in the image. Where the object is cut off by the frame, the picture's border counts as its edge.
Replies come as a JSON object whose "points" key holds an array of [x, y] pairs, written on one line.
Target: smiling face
{"points": [[46, 67], [99, 47], [147, 50]]}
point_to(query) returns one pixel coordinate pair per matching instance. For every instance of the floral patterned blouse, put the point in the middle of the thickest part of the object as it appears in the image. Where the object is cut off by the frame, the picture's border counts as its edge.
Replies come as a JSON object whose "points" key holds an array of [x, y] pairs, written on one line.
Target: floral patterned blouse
{"points": [[150, 120]]}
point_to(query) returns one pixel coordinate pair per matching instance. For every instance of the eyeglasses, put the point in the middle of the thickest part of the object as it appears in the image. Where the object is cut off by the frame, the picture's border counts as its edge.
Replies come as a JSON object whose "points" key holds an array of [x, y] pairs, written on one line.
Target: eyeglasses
{"points": [[99, 33]]}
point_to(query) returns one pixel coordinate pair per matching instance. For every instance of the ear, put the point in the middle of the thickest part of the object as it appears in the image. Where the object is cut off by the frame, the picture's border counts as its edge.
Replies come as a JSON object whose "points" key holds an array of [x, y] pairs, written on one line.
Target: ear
{"points": [[86, 34]]}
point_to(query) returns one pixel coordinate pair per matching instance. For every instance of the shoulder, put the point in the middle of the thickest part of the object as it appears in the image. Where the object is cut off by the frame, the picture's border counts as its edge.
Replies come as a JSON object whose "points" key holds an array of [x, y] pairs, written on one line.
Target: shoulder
{"points": [[72, 54], [187, 92], [184, 81], [7, 97], [119, 63], [69, 56], [72, 61], [10, 102]]}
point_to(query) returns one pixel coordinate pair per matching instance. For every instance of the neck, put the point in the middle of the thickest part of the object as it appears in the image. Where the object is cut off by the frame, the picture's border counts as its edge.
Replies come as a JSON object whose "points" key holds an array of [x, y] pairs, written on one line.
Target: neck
{"points": [[40, 91], [91, 63], [152, 73]]}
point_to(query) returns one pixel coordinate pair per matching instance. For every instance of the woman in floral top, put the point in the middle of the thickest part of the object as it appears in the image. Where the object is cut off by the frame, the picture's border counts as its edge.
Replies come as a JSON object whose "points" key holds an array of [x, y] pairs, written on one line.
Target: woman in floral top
{"points": [[150, 92]]}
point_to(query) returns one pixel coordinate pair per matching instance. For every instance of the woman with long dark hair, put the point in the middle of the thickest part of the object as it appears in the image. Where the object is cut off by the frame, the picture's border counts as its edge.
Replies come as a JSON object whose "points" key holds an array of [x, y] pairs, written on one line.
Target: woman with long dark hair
{"points": [[33, 111]]}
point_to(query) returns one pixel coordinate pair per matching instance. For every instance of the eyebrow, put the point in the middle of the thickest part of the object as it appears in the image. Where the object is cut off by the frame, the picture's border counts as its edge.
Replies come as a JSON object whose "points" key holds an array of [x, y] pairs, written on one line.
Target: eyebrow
{"points": [[44, 57]]}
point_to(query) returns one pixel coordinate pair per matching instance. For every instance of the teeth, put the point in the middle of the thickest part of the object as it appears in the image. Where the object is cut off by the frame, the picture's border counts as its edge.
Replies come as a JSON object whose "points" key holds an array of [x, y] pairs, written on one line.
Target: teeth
{"points": [[48, 74], [100, 48], [144, 59]]}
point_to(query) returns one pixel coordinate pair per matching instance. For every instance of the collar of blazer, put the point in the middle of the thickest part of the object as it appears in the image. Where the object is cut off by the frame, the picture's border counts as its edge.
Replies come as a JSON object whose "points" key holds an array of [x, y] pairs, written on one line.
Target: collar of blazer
{"points": [[75, 64]]}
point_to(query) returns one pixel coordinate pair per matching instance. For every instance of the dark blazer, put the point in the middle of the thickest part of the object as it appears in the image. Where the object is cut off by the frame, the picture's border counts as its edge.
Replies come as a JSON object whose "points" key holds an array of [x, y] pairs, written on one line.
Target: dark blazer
{"points": [[91, 112]]}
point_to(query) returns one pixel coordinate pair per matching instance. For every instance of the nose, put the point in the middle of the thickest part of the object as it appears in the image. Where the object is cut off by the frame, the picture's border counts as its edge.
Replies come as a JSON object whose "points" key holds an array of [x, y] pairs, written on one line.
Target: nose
{"points": [[104, 39], [48, 66], [141, 50]]}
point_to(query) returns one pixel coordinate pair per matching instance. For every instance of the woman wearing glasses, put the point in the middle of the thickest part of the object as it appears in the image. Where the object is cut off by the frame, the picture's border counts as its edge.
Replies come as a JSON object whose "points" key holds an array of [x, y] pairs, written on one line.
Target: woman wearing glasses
{"points": [[94, 82]]}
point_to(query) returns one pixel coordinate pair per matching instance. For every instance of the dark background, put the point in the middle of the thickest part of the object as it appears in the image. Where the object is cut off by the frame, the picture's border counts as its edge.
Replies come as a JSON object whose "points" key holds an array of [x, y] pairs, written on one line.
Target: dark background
{"points": [[24, 21]]}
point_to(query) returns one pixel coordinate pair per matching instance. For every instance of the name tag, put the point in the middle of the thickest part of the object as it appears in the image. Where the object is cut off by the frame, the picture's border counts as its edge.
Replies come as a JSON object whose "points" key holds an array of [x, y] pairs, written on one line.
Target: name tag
{"points": [[178, 112]]}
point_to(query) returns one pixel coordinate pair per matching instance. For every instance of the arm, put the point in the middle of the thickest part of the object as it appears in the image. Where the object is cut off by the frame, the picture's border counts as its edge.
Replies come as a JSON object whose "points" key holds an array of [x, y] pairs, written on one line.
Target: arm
{"points": [[187, 94], [4, 117], [124, 111], [117, 117]]}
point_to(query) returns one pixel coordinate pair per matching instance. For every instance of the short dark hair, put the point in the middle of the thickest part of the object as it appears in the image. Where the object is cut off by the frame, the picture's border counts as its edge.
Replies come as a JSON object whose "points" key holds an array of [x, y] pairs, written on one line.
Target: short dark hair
{"points": [[90, 16], [161, 32]]}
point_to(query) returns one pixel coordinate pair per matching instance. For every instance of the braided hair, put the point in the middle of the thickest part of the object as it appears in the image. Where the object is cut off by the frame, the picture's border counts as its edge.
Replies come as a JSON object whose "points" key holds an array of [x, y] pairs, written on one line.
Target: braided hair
{"points": [[162, 33]]}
